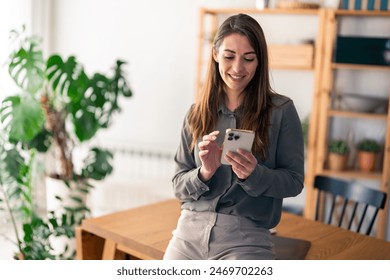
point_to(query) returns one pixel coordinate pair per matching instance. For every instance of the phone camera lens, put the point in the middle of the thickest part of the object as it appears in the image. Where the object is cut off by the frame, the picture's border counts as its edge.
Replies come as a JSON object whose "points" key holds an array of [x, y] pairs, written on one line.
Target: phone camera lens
{"points": [[231, 134], [236, 137], [230, 138]]}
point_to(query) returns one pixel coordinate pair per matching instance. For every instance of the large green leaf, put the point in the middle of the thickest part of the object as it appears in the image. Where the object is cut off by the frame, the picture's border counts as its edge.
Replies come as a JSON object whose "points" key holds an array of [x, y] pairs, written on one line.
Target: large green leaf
{"points": [[91, 113], [41, 142], [27, 68], [85, 125], [99, 103], [98, 164], [22, 117], [67, 77]]}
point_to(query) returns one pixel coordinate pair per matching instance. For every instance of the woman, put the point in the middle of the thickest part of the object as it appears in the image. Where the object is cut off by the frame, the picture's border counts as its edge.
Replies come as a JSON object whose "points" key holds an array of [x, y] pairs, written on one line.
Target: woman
{"points": [[227, 210]]}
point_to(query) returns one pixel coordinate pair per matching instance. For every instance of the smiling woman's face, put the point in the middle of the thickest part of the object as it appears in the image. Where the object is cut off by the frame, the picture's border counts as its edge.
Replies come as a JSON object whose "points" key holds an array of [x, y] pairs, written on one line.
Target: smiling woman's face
{"points": [[237, 62]]}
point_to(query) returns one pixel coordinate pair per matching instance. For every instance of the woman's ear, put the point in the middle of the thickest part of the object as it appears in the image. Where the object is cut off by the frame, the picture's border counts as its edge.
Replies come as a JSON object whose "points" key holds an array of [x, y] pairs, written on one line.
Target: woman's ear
{"points": [[215, 56]]}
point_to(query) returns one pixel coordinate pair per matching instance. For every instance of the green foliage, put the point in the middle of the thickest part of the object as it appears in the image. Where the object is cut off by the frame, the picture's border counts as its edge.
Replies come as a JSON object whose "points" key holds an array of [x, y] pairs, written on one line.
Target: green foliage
{"points": [[38, 233], [98, 164], [16, 198], [27, 66], [369, 145], [338, 146], [88, 102], [57, 92], [59, 106], [22, 117]]}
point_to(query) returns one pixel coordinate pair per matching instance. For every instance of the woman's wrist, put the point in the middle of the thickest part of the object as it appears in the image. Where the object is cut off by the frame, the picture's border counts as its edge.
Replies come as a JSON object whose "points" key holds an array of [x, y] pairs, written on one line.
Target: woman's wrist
{"points": [[205, 175]]}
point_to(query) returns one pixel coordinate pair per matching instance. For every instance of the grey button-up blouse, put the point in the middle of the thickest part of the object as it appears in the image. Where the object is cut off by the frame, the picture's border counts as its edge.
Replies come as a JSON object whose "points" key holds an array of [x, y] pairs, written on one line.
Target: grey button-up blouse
{"points": [[260, 196]]}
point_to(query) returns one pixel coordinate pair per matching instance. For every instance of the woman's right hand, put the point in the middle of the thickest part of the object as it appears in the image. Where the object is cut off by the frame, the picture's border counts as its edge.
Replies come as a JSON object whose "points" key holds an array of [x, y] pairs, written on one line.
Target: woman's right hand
{"points": [[210, 156]]}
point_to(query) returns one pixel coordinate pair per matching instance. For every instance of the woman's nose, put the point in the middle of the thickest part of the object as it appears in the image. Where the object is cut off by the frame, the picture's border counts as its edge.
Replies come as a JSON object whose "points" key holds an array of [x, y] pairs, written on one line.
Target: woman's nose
{"points": [[238, 65]]}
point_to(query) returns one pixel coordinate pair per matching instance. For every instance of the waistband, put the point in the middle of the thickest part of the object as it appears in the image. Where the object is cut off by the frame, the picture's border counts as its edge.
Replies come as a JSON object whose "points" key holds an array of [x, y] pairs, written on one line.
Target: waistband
{"points": [[220, 219]]}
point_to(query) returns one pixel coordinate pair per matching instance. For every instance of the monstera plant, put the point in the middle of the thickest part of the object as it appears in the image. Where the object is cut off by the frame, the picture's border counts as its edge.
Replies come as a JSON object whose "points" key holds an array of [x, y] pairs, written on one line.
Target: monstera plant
{"points": [[59, 107]]}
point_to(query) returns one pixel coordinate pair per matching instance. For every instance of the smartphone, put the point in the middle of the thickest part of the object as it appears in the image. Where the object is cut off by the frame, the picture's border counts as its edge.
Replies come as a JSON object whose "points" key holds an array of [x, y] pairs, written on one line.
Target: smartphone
{"points": [[235, 139]]}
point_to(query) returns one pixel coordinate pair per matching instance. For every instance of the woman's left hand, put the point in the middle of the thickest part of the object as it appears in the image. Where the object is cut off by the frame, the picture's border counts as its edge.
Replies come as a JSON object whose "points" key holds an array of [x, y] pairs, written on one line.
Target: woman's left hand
{"points": [[243, 163]]}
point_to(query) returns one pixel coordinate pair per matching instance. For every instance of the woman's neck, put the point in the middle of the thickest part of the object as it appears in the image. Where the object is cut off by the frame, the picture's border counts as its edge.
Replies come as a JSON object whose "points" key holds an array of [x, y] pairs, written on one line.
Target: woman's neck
{"points": [[233, 101]]}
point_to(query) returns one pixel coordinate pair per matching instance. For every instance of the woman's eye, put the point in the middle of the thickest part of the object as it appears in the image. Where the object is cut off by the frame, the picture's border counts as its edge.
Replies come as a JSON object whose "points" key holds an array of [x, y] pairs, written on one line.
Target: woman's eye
{"points": [[229, 57], [249, 59]]}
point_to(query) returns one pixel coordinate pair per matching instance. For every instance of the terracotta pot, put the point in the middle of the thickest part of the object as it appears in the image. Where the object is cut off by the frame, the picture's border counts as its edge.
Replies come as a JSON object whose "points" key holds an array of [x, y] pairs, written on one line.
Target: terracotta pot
{"points": [[367, 161], [337, 162]]}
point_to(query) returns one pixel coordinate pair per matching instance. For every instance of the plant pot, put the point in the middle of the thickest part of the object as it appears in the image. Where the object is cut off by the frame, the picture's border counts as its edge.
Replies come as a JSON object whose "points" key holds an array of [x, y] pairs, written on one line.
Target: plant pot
{"points": [[70, 197], [56, 188], [367, 161], [337, 162]]}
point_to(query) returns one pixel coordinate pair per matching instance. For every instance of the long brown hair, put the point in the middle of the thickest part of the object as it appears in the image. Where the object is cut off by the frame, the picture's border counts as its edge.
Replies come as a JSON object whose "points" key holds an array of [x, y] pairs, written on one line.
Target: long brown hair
{"points": [[257, 102]]}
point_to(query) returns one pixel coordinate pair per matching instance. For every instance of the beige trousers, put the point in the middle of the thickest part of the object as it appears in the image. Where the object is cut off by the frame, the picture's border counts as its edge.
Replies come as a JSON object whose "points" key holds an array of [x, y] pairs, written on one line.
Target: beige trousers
{"points": [[215, 236]]}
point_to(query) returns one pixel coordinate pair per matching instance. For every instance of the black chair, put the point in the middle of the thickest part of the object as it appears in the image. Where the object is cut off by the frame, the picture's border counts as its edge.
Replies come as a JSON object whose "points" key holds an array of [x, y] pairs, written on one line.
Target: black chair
{"points": [[361, 197]]}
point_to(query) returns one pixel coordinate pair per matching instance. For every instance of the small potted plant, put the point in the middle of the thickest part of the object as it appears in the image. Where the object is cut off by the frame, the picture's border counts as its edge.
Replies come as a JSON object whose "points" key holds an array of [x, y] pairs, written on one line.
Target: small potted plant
{"points": [[368, 150], [338, 154]]}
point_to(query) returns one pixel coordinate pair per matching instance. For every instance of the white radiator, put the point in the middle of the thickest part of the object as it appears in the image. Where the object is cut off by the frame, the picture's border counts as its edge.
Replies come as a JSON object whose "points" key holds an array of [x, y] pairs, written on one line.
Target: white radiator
{"points": [[140, 177]]}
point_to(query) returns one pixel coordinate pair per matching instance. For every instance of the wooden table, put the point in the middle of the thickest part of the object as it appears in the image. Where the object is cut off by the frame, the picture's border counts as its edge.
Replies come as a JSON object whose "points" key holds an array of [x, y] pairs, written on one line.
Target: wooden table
{"points": [[144, 233]]}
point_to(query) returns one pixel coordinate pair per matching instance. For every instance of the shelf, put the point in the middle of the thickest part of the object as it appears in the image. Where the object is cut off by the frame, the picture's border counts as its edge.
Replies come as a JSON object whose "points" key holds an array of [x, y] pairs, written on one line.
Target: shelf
{"points": [[353, 174], [349, 66], [216, 11], [348, 114], [357, 13]]}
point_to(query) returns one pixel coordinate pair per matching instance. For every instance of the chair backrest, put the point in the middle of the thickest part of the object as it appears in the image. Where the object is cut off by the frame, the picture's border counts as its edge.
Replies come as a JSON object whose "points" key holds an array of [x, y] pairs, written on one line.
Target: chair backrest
{"points": [[351, 193]]}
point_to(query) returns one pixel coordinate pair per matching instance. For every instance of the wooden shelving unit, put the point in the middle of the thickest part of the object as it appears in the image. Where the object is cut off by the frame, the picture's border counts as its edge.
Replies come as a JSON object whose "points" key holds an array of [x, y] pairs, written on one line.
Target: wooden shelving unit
{"points": [[326, 113]]}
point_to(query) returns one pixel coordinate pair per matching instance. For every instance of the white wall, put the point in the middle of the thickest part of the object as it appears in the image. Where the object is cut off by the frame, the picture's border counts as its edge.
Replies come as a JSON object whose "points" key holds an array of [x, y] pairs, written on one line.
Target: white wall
{"points": [[159, 41], [13, 14]]}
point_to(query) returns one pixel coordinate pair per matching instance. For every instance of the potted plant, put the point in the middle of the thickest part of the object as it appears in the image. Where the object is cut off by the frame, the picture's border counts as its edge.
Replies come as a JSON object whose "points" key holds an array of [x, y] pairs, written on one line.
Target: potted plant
{"points": [[337, 154], [59, 107], [17, 199], [368, 150]]}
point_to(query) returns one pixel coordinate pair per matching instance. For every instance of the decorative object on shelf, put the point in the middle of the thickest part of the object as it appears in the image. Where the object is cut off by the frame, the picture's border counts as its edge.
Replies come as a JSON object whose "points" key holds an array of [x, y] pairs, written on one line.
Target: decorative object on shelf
{"points": [[59, 107], [362, 50], [337, 154], [290, 56], [383, 5], [331, 4], [360, 103], [295, 4], [368, 150], [261, 4]]}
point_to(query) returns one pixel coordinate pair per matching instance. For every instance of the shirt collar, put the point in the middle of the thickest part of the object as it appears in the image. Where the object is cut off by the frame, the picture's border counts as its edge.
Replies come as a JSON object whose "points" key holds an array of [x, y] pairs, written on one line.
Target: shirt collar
{"points": [[222, 109]]}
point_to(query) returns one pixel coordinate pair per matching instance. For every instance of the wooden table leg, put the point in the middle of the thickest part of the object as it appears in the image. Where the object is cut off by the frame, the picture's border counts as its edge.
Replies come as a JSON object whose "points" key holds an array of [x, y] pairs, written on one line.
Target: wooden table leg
{"points": [[109, 250], [88, 245]]}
